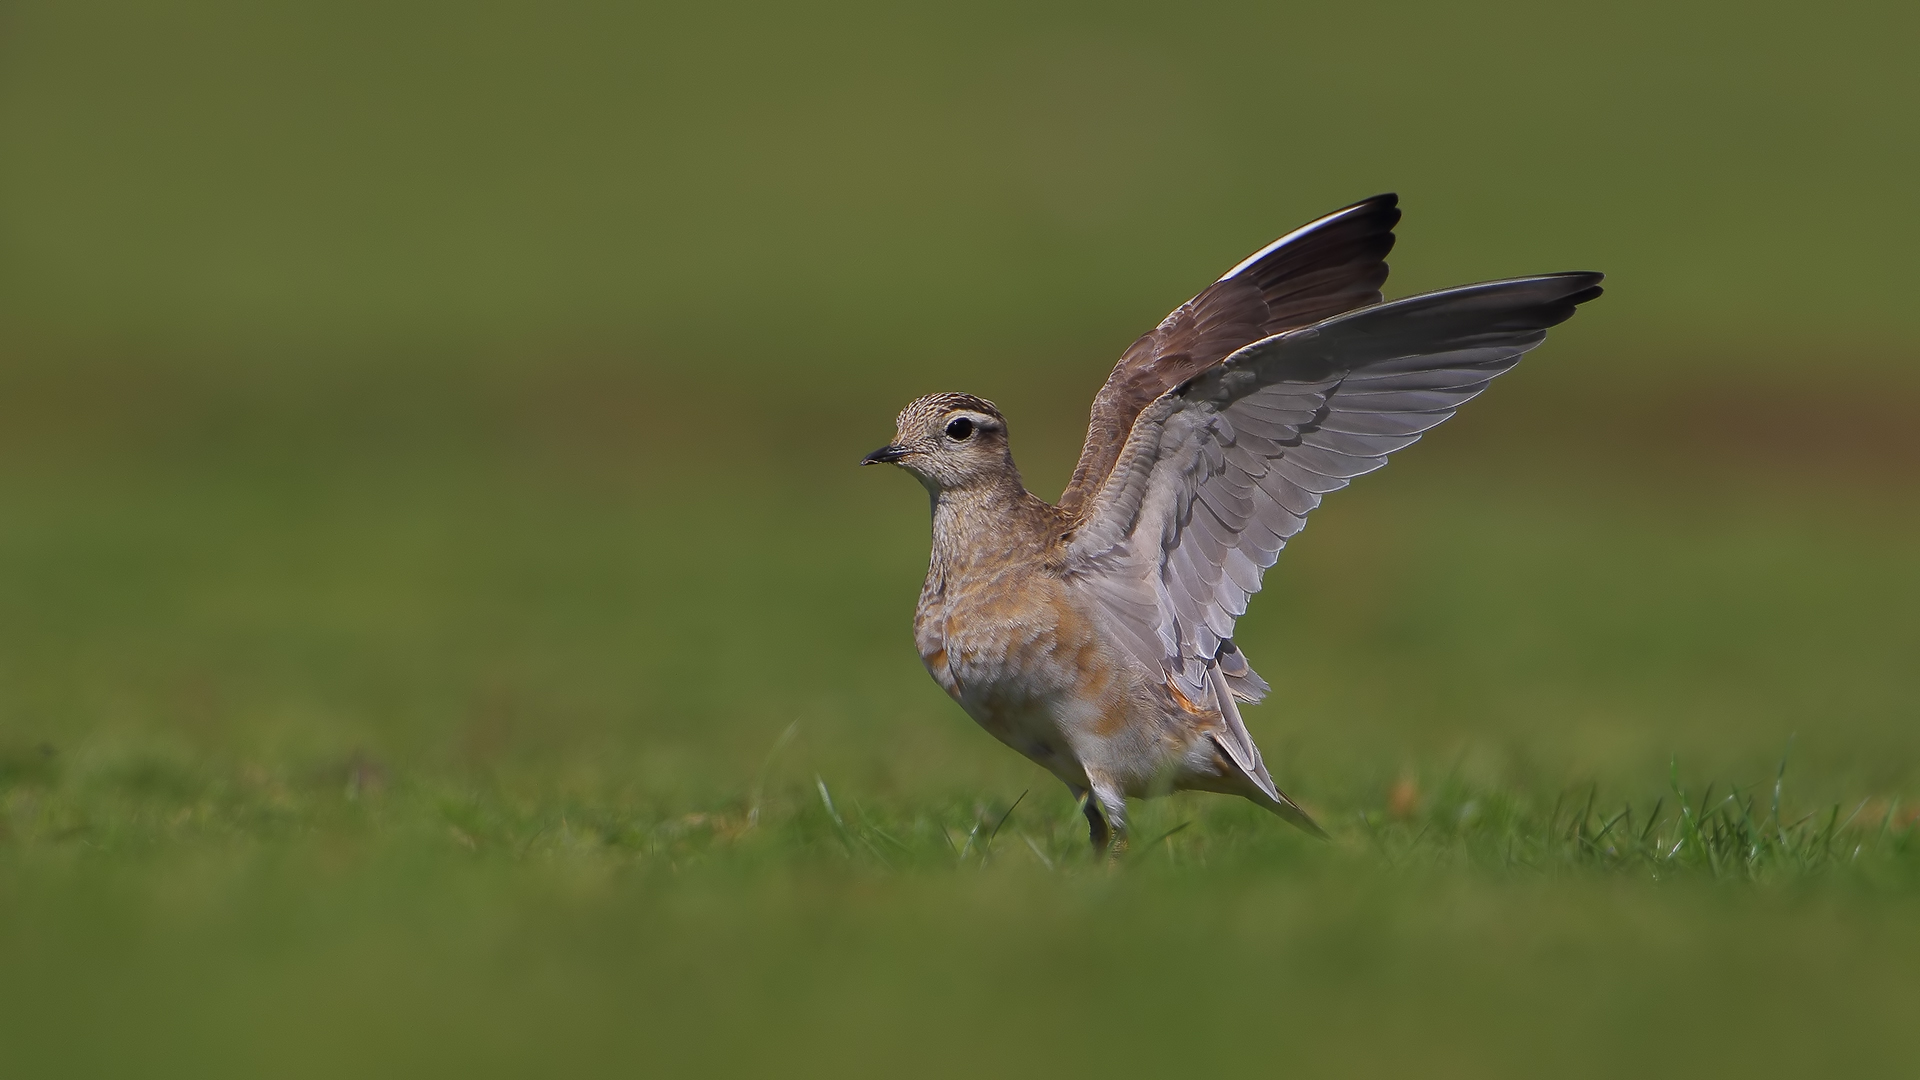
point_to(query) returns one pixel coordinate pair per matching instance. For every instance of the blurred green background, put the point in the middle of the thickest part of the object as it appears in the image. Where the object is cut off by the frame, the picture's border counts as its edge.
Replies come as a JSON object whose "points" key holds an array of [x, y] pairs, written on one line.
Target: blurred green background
{"points": [[435, 591]]}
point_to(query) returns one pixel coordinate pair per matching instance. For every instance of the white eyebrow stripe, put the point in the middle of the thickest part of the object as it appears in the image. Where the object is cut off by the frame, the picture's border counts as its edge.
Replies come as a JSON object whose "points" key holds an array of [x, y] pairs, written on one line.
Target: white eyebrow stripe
{"points": [[1288, 239]]}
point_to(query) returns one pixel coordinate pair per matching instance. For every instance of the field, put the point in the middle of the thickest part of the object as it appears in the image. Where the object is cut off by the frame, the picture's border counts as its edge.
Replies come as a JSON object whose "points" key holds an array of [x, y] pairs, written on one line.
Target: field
{"points": [[442, 628]]}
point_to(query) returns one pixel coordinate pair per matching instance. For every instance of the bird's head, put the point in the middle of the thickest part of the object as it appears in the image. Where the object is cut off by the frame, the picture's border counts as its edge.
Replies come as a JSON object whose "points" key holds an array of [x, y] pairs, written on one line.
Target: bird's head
{"points": [[949, 441]]}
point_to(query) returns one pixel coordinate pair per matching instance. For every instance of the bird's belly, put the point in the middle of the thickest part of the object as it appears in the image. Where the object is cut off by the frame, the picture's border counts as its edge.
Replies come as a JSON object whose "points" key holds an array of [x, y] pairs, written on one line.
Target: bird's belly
{"points": [[1032, 672]]}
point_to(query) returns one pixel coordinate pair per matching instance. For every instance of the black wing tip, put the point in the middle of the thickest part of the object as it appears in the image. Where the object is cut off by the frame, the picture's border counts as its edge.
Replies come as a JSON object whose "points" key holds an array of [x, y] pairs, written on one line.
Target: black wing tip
{"points": [[1584, 283], [1577, 286], [1586, 277], [1572, 288], [1385, 205], [1535, 302], [1383, 200], [1379, 213]]}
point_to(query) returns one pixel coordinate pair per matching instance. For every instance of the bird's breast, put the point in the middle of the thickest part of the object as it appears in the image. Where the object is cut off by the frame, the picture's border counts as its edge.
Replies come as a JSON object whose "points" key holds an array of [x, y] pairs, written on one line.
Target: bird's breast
{"points": [[1012, 645]]}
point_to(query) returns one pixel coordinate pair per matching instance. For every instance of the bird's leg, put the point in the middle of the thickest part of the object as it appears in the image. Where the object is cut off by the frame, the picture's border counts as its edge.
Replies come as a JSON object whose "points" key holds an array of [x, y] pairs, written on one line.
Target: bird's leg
{"points": [[1097, 830], [1106, 811]]}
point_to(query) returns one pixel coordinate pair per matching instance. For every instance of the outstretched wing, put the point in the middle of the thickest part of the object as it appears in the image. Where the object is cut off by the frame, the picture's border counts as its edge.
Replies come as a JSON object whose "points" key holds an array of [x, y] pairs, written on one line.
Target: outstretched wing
{"points": [[1220, 472], [1319, 270]]}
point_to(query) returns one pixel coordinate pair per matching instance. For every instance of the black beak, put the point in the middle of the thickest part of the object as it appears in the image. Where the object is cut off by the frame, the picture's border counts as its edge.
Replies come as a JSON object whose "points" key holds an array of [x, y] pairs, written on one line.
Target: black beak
{"points": [[886, 455]]}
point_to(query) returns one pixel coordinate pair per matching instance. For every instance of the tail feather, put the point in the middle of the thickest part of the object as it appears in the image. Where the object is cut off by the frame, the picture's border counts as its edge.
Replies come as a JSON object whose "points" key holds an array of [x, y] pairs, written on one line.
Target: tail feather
{"points": [[1237, 743]]}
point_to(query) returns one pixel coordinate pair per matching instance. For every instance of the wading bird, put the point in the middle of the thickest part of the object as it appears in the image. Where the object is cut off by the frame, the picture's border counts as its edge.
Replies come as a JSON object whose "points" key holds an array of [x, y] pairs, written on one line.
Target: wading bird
{"points": [[1095, 635]]}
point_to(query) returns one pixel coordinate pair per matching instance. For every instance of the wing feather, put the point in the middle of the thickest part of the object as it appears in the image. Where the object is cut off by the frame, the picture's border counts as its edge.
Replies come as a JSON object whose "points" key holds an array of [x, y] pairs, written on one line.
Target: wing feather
{"points": [[1244, 571], [1384, 423], [1222, 470], [1331, 265]]}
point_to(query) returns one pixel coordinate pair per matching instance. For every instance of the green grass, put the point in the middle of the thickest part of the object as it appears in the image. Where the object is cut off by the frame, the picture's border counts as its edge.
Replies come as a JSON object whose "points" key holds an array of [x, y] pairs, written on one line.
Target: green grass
{"points": [[166, 919], [134, 802], [335, 741]]}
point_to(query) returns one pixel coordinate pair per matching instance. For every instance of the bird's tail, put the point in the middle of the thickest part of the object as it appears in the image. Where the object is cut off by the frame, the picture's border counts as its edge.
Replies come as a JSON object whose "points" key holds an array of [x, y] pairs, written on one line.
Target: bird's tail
{"points": [[1237, 743]]}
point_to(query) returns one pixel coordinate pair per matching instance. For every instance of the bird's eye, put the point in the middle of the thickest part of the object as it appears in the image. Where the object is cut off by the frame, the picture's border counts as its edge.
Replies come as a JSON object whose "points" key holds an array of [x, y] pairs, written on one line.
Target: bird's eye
{"points": [[959, 428]]}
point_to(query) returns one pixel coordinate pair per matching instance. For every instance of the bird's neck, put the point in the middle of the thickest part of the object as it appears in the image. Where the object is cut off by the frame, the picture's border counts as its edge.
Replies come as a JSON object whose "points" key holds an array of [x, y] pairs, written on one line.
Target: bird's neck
{"points": [[987, 524]]}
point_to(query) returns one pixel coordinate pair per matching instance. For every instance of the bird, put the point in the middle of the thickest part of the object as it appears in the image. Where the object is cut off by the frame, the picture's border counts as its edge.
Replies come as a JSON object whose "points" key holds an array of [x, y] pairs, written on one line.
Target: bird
{"points": [[1095, 634]]}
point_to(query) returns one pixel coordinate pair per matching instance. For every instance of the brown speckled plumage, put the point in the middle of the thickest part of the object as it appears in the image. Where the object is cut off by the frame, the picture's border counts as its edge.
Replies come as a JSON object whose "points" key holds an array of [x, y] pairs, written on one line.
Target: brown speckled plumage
{"points": [[1095, 636]]}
